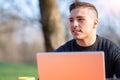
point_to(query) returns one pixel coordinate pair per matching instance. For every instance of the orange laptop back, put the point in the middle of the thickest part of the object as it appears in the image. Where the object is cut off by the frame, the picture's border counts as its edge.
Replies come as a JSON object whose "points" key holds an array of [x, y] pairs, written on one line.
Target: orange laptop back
{"points": [[71, 66]]}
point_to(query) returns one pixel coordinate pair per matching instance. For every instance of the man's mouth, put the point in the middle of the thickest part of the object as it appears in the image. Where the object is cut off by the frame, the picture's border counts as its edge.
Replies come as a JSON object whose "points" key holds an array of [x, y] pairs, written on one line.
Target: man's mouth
{"points": [[77, 31]]}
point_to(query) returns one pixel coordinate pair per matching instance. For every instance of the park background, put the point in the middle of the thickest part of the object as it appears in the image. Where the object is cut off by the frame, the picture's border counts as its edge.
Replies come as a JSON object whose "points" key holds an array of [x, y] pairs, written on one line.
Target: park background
{"points": [[25, 30]]}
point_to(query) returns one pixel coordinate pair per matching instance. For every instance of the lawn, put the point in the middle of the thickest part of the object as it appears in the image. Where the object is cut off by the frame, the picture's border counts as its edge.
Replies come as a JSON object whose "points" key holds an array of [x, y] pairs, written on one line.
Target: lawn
{"points": [[11, 71]]}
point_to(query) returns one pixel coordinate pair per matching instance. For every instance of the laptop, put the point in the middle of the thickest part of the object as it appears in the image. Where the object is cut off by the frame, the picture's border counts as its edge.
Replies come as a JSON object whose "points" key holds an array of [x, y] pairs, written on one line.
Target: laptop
{"points": [[71, 66]]}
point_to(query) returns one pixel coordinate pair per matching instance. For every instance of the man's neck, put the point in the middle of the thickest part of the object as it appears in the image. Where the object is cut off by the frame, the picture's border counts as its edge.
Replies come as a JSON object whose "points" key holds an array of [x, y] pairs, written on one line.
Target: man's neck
{"points": [[86, 42]]}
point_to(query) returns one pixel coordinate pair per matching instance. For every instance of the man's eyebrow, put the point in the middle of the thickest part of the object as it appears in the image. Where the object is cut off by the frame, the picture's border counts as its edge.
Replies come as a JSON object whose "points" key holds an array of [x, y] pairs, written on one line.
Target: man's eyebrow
{"points": [[76, 17], [80, 17]]}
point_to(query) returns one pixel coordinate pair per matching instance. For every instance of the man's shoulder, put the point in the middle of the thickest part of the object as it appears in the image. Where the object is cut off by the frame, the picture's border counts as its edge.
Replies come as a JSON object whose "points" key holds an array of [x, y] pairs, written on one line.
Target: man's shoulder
{"points": [[104, 39], [106, 42], [66, 46]]}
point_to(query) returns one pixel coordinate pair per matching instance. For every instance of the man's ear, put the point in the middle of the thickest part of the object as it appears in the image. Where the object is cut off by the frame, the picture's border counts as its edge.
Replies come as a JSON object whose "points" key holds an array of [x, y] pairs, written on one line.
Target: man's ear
{"points": [[95, 23]]}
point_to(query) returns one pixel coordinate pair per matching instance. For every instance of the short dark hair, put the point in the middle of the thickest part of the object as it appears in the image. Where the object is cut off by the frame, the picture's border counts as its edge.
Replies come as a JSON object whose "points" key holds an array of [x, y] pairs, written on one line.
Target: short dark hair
{"points": [[84, 5]]}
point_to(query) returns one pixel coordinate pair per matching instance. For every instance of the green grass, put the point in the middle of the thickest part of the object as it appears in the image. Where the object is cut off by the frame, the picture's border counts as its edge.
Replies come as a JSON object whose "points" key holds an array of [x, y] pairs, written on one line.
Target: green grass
{"points": [[10, 71]]}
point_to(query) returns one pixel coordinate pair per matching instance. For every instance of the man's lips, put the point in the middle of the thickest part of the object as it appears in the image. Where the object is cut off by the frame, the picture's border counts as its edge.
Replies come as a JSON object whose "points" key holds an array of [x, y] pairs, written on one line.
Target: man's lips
{"points": [[75, 32]]}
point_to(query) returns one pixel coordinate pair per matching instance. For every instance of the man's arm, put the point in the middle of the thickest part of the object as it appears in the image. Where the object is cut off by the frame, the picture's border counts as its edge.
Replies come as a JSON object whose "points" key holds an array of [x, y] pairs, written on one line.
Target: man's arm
{"points": [[117, 64]]}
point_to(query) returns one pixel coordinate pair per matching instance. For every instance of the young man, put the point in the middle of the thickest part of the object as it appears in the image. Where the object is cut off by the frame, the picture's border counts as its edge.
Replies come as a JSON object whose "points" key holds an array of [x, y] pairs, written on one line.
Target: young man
{"points": [[83, 23]]}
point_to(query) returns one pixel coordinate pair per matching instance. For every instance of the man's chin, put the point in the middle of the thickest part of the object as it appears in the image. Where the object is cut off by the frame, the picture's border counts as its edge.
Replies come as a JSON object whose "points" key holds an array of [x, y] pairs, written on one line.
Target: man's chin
{"points": [[78, 38]]}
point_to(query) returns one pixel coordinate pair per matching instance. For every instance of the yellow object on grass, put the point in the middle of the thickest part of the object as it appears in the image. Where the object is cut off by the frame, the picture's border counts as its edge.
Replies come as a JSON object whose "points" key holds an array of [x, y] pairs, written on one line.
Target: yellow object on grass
{"points": [[26, 78]]}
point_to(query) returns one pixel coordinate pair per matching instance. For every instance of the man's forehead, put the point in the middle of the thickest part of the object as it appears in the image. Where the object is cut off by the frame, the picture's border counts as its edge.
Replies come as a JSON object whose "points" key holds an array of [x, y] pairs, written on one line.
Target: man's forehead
{"points": [[80, 12], [79, 9]]}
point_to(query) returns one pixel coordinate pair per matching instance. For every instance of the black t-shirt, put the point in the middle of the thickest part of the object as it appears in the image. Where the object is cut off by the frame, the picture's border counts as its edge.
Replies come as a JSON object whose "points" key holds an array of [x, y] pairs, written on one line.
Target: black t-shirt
{"points": [[111, 50]]}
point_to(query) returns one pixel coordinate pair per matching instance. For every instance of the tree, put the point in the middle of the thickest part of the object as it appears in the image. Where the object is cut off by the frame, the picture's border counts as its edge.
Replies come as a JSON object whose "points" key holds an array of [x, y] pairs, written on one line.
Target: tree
{"points": [[51, 22]]}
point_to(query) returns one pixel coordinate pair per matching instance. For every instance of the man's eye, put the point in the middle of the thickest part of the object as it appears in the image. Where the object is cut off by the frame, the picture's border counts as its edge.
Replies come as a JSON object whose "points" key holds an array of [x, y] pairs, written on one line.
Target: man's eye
{"points": [[80, 19], [70, 20]]}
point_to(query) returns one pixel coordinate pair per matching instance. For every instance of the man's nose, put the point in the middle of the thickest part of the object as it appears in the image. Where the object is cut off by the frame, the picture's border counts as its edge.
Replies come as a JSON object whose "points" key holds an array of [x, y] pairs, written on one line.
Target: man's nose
{"points": [[75, 24]]}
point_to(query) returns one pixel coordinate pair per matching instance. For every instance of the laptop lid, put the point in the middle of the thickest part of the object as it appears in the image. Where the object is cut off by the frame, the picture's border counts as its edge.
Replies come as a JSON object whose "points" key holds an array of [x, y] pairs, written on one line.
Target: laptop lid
{"points": [[71, 66]]}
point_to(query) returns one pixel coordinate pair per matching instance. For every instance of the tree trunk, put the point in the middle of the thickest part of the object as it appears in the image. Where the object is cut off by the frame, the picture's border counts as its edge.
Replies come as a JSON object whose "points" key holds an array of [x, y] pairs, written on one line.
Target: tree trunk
{"points": [[52, 25]]}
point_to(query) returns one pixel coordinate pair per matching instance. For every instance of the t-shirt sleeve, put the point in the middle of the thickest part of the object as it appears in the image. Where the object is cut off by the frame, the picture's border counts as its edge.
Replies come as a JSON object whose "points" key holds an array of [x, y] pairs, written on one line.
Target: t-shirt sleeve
{"points": [[65, 47], [60, 49], [117, 63]]}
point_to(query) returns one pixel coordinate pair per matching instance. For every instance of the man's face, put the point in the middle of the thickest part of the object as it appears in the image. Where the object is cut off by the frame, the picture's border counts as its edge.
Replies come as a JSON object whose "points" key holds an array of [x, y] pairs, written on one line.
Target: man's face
{"points": [[82, 23]]}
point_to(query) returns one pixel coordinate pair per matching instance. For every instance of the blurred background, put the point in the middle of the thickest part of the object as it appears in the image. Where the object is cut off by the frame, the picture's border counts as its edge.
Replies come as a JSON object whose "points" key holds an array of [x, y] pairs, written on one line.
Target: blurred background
{"points": [[31, 26]]}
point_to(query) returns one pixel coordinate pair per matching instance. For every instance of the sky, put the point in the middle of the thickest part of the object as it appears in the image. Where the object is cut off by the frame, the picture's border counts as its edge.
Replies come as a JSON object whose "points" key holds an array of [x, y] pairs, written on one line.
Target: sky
{"points": [[26, 9], [111, 5], [109, 11]]}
